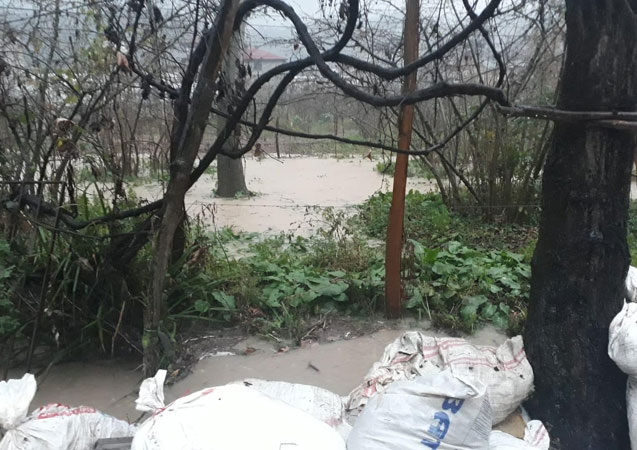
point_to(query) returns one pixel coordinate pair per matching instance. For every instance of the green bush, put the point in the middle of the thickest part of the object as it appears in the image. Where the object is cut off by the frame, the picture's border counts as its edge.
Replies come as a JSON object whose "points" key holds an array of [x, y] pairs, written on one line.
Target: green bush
{"points": [[451, 275], [428, 220], [426, 216], [275, 285]]}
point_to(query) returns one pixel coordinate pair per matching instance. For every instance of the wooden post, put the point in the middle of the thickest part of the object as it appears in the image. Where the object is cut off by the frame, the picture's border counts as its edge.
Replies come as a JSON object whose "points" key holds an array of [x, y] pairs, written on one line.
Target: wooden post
{"points": [[276, 139], [393, 288], [335, 127]]}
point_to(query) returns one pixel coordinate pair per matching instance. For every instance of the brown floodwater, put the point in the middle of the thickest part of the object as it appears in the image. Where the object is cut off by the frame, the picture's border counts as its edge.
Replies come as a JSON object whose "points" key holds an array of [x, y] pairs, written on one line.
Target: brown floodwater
{"points": [[289, 194], [111, 386]]}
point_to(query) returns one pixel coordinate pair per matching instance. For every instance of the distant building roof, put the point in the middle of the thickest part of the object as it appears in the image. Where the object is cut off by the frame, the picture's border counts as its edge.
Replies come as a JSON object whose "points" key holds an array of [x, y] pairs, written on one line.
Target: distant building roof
{"points": [[256, 54]]}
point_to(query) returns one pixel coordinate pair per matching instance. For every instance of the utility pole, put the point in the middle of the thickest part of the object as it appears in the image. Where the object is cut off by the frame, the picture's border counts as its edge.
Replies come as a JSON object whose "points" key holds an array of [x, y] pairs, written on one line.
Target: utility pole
{"points": [[393, 285]]}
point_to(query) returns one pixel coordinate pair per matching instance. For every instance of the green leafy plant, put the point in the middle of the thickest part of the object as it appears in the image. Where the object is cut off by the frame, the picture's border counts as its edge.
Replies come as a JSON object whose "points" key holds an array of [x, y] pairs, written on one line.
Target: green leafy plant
{"points": [[458, 286], [427, 219]]}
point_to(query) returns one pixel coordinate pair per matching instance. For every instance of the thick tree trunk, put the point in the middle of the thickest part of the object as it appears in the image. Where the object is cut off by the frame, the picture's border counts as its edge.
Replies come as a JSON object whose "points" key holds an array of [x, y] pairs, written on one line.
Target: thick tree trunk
{"points": [[581, 256], [230, 177]]}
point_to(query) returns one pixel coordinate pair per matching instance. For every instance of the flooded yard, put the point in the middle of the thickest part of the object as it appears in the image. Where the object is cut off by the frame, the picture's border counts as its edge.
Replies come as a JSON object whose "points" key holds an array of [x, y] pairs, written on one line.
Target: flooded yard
{"points": [[289, 194]]}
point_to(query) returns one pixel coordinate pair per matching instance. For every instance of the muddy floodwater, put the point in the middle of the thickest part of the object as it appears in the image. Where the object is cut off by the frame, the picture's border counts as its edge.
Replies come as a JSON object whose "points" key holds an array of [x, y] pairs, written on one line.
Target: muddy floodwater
{"points": [[111, 386], [289, 195]]}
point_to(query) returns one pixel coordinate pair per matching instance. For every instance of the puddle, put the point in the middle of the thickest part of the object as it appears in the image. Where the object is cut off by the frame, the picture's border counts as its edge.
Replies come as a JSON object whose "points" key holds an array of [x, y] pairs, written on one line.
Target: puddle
{"points": [[289, 194]]}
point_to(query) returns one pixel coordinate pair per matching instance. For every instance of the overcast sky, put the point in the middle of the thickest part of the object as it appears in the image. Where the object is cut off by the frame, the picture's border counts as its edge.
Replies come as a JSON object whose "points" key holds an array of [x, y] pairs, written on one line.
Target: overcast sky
{"points": [[263, 31], [275, 27]]}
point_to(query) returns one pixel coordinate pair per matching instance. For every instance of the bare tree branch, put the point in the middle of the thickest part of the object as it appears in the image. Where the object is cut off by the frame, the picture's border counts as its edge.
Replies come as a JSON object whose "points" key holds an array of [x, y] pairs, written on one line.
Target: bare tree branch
{"points": [[551, 113]]}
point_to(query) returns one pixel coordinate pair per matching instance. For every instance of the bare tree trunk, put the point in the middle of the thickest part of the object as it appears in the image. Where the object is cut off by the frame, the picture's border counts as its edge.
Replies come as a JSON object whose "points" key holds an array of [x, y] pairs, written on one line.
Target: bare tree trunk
{"points": [[186, 149], [230, 176], [581, 256]]}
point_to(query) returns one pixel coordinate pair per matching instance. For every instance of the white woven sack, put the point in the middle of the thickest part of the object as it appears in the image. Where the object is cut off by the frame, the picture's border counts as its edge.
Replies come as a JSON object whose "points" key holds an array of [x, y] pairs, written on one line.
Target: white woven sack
{"points": [[61, 427], [622, 339], [15, 398], [631, 284], [231, 417], [505, 370], [436, 411], [319, 403], [52, 427]]}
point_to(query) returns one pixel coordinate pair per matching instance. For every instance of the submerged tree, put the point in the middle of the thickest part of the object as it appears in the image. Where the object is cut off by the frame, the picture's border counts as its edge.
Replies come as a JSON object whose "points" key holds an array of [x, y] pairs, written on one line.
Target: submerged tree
{"points": [[230, 177]]}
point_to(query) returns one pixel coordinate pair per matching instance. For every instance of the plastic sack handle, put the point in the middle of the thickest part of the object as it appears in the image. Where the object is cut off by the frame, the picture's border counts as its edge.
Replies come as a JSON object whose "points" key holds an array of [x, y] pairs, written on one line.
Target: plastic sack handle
{"points": [[151, 393], [15, 398]]}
